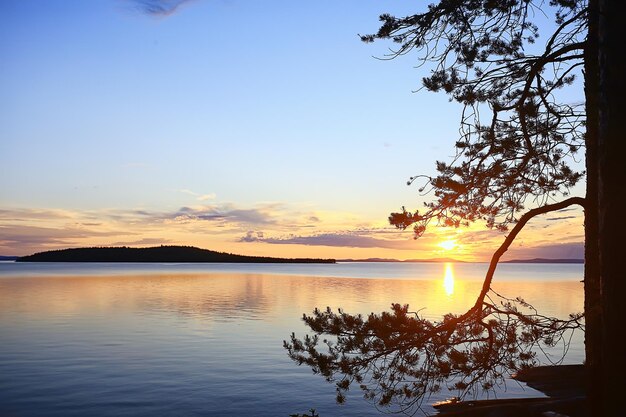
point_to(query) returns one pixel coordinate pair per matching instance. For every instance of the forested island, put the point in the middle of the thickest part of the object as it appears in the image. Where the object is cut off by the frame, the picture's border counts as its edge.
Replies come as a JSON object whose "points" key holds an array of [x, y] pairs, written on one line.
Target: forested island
{"points": [[155, 254]]}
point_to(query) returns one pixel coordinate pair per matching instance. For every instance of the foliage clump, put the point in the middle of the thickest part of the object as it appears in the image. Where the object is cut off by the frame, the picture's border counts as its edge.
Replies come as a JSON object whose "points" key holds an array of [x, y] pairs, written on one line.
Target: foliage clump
{"points": [[518, 135], [399, 358]]}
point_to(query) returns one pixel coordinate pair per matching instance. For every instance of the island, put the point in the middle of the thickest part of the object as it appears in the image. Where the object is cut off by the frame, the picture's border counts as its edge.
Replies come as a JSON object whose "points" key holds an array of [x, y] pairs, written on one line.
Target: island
{"points": [[392, 260], [157, 254], [545, 261], [452, 260]]}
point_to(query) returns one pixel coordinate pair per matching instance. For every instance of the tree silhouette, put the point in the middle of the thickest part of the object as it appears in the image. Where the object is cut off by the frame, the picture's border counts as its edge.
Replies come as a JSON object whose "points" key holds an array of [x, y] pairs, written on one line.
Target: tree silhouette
{"points": [[480, 56], [399, 358], [519, 140]]}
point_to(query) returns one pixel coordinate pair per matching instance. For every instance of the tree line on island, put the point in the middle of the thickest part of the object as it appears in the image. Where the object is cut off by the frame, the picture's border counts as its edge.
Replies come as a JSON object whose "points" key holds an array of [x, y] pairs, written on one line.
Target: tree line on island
{"points": [[155, 254], [186, 254]]}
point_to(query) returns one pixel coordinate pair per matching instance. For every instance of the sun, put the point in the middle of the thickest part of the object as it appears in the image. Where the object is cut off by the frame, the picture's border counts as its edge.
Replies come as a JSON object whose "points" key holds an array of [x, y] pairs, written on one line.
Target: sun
{"points": [[447, 244]]}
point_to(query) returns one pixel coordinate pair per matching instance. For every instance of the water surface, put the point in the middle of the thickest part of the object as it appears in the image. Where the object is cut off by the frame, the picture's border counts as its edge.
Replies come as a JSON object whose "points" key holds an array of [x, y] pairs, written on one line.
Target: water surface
{"points": [[206, 339]]}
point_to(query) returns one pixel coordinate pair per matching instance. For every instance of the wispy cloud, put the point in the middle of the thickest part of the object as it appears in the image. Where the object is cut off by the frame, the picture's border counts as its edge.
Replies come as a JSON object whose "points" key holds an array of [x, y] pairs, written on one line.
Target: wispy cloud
{"points": [[199, 197], [480, 236], [572, 208], [344, 239], [205, 197], [252, 236], [223, 214], [20, 238], [551, 219], [8, 214], [573, 250], [26, 230], [227, 225], [159, 8], [142, 242]]}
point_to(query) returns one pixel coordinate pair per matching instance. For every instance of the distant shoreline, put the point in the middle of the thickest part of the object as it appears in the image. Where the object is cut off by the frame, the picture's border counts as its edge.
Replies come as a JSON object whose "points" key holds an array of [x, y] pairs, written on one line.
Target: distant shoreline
{"points": [[158, 254], [444, 260], [190, 254], [545, 261]]}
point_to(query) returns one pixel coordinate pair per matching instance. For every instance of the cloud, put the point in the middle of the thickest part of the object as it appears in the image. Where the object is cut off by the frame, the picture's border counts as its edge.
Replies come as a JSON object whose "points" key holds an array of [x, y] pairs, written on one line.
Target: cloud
{"points": [[34, 214], [200, 197], [346, 239], [254, 216], [14, 236], [34, 233], [573, 250], [574, 208], [145, 241], [23, 239], [551, 219], [480, 236], [223, 214], [159, 8], [205, 197], [226, 214], [252, 236], [28, 230]]}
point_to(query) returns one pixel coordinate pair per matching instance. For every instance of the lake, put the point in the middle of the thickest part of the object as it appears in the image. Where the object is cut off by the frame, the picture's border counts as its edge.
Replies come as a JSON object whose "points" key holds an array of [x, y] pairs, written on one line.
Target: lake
{"points": [[206, 339]]}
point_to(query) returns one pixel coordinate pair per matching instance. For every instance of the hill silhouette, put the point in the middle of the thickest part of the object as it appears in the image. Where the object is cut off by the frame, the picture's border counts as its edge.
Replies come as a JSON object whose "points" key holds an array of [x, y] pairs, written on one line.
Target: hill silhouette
{"points": [[182, 254], [545, 261]]}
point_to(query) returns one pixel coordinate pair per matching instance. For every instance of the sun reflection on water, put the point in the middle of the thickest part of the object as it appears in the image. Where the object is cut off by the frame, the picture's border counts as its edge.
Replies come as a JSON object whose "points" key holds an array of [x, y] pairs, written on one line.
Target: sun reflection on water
{"points": [[448, 279]]}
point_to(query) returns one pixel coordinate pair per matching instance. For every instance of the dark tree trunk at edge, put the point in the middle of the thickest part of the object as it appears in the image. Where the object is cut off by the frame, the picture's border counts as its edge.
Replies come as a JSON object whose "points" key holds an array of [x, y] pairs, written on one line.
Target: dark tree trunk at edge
{"points": [[611, 191], [593, 303]]}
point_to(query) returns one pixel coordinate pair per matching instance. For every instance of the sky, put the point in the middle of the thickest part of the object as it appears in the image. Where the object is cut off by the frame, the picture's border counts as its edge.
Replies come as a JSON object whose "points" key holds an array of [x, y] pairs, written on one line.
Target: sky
{"points": [[258, 128]]}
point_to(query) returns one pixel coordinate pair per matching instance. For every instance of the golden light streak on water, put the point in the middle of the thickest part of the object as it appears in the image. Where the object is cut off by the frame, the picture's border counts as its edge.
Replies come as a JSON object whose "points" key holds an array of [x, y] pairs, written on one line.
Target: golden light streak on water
{"points": [[448, 279]]}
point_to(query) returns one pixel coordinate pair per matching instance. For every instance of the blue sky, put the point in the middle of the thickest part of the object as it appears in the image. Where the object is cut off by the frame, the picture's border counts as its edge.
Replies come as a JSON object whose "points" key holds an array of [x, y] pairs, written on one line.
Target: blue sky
{"points": [[230, 125]]}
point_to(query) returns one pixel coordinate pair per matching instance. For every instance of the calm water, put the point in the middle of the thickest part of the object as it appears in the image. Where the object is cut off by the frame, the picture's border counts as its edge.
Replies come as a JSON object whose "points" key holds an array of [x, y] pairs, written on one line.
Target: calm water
{"points": [[206, 339]]}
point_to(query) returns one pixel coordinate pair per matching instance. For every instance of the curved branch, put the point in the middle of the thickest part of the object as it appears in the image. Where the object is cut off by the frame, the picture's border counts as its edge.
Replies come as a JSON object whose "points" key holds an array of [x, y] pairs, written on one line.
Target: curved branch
{"points": [[511, 237]]}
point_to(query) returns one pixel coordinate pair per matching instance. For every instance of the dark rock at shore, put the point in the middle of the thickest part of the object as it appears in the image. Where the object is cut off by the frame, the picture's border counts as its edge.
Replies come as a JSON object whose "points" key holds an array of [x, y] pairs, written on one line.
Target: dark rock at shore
{"points": [[555, 381], [563, 384]]}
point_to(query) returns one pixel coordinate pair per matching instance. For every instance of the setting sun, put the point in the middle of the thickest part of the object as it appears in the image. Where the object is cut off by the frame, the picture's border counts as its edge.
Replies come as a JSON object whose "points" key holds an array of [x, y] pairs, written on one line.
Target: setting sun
{"points": [[448, 244]]}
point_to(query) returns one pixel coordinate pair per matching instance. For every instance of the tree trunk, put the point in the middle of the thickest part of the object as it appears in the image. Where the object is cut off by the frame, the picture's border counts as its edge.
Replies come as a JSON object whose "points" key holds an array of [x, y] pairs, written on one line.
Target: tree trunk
{"points": [[611, 191], [593, 302]]}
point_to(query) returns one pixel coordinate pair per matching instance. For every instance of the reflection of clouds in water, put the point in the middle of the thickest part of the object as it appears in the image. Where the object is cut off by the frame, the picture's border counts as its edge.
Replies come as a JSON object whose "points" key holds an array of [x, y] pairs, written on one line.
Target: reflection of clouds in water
{"points": [[220, 297], [244, 306], [245, 296], [214, 296], [203, 337]]}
